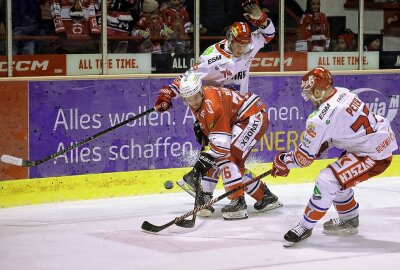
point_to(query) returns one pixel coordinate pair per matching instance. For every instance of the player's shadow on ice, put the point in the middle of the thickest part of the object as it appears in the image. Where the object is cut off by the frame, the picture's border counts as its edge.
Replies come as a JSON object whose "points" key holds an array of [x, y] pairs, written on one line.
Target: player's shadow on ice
{"points": [[351, 243], [282, 212]]}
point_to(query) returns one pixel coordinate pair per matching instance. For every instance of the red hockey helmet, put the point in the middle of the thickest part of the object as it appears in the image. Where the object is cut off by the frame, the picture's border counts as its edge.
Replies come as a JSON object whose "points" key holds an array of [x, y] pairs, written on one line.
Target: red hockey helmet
{"points": [[317, 77], [239, 32]]}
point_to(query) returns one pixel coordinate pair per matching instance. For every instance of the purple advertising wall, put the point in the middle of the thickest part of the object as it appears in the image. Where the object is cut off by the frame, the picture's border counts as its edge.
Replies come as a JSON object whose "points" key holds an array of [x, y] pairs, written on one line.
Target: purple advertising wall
{"points": [[63, 112]]}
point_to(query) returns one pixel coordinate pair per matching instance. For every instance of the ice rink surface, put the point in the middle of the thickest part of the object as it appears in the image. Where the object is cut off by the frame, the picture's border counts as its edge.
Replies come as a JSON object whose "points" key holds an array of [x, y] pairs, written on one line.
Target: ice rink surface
{"points": [[105, 234]]}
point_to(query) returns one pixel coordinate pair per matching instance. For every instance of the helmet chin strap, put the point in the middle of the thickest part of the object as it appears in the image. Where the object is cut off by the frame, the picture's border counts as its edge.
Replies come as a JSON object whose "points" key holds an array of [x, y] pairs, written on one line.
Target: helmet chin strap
{"points": [[228, 45]]}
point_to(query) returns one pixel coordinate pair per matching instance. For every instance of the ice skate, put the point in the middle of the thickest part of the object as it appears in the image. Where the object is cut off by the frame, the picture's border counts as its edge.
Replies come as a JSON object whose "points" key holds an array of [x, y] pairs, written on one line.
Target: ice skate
{"points": [[236, 209], [205, 197], [268, 202], [295, 235], [340, 226], [192, 180]]}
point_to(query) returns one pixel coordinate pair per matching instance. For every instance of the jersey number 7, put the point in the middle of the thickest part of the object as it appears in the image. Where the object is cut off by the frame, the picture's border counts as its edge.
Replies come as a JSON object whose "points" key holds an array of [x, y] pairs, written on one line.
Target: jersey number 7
{"points": [[363, 121]]}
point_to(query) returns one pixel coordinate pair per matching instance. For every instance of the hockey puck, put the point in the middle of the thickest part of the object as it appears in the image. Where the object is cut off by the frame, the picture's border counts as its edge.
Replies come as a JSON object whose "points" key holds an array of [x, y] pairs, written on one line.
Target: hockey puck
{"points": [[168, 184]]}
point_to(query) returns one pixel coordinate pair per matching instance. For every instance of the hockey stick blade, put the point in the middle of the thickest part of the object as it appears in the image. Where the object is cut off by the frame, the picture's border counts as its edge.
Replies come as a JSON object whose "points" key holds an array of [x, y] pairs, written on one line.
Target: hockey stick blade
{"points": [[16, 161], [147, 226], [186, 223]]}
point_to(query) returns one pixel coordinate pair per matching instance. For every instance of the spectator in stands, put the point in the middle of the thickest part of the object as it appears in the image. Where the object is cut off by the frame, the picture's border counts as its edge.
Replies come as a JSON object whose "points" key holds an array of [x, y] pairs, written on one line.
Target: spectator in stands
{"points": [[345, 41], [372, 43], [121, 16], [151, 28], [76, 26], [176, 17], [313, 30], [47, 29], [25, 22]]}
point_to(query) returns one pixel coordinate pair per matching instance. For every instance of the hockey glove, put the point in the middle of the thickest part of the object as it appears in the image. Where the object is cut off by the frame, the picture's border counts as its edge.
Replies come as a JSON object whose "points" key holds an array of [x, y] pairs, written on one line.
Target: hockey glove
{"points": [[254, 14], [200, 136], [204, 163], [164, 99], [279, 167]]}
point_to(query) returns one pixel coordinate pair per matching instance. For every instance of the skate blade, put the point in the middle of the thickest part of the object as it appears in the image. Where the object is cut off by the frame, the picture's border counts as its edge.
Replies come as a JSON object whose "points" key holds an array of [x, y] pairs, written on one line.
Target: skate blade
{"points": [[344, 232], [186, 187], [271, 206], [241, 214], [288, 244]]}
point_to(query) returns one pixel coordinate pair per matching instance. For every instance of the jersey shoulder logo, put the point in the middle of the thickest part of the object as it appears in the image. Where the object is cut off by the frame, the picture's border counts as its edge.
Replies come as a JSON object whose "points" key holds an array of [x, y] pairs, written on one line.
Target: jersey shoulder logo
{"points": [[311, 130], [209, 106], [312, 114], [209, 50]]}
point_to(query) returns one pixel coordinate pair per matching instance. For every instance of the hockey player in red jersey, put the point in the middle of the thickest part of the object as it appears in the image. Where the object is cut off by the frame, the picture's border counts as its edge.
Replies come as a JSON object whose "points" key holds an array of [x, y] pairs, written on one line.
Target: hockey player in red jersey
{"points": [[344, 121], [227, 64], [233, 124]]}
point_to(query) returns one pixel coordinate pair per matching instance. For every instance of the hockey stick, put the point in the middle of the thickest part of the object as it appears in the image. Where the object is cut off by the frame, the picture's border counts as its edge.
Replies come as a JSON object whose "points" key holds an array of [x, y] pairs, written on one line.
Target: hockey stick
{"points": [[31, 163], [148, 227], [185, 223], [189, 223]]}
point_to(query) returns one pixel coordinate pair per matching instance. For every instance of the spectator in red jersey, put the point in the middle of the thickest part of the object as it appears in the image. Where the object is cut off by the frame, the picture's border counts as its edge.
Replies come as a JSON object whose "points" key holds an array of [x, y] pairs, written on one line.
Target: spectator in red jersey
{"points": [[313, 29], [121, 16], [345, 41], [151, 28], [176, 17]]}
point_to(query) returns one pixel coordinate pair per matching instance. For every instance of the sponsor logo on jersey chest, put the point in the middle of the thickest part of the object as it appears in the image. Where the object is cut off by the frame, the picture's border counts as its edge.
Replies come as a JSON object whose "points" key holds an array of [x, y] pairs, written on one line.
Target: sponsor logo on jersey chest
{"points": [[324, 111], [214, 59]]}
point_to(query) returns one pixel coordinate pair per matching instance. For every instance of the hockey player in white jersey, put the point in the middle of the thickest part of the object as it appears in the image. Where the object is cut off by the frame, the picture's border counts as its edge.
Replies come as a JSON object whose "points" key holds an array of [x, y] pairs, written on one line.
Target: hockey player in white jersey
{"points": [[344, 121], [227, 63]]}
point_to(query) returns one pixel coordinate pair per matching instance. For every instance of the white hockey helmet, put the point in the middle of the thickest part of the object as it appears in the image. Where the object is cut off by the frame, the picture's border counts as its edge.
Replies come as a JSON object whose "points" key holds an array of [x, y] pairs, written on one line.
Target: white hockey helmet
{"points": [[190, 85]]}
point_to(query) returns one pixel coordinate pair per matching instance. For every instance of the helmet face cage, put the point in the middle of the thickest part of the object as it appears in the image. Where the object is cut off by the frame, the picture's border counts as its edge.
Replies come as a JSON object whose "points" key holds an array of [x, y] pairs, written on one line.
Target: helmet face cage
{"points": [[190, 85], [318, 77]]}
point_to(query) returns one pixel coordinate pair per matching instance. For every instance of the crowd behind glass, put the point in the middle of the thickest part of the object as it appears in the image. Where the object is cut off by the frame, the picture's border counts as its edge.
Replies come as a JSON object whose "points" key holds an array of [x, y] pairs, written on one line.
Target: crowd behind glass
{"points": [[167, 26]]}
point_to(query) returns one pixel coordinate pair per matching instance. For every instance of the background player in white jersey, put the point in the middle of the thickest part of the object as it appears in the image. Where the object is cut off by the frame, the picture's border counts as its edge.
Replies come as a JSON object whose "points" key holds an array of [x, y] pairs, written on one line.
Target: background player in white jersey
{"points": [[344, 121], [227, 63]]}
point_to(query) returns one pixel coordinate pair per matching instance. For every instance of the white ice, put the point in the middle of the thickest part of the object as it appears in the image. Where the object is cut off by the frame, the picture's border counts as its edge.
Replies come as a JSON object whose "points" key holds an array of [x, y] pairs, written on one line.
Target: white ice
{"points": [[105, 234]]}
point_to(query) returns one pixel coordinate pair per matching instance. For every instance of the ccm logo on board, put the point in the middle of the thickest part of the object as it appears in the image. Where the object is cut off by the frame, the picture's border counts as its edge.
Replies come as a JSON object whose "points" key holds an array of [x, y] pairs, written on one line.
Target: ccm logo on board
{"points": [[270, 62], [26, 65]]}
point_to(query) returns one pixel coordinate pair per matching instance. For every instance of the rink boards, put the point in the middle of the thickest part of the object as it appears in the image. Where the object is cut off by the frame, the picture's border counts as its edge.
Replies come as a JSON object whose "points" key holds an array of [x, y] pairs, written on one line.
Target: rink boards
{"points": [[43, 116]]}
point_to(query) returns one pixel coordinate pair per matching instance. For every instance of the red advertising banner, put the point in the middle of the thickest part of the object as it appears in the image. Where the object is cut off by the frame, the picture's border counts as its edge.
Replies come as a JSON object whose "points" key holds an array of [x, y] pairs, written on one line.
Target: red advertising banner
{"points": [[269, 61], [35, 65]]}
